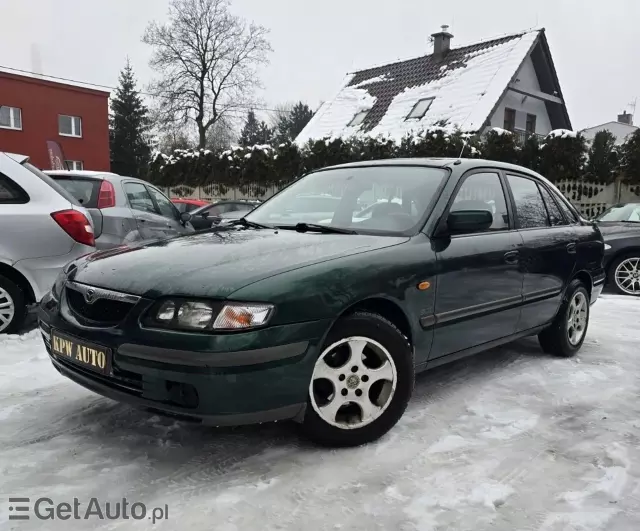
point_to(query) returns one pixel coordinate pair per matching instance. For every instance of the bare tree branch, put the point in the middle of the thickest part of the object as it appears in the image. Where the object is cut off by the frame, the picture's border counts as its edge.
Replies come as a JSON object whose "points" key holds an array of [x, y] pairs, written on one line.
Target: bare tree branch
{"points": [[207, 62]]}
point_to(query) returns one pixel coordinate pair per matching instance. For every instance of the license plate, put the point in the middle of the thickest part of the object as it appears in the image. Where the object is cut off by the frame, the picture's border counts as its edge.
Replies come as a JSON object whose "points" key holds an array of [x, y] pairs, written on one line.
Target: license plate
{"points": [[88, 355]]}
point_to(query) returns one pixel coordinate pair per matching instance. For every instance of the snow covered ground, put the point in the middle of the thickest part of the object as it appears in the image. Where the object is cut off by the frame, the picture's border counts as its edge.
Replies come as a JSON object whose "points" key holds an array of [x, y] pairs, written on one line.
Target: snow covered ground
{"points": [[509, 440]]}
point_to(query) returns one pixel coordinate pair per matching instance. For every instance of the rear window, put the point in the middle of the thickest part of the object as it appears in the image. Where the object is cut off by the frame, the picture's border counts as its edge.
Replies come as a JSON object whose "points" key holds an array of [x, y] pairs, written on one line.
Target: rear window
{"points": [[51, 183], [86, 191]]}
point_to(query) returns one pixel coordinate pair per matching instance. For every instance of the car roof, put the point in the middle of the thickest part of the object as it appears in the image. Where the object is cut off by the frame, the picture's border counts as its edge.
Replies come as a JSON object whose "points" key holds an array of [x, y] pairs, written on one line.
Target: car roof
{"points": [[16, 157], [439, 162], [187, 200], [80, 173]]}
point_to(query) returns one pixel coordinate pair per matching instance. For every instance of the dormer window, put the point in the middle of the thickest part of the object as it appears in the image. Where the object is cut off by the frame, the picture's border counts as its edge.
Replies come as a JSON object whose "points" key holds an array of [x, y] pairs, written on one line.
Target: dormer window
{"points": [[358, 118], [420, 109]]}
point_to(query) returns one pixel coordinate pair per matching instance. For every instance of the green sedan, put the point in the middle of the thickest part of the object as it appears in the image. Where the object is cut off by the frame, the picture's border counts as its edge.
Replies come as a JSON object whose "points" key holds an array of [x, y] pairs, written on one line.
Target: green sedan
{"points": [[304, 310]]}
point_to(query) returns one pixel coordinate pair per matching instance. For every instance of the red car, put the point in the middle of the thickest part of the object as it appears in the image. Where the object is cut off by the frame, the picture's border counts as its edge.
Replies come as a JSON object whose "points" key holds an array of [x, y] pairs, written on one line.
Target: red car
{"points": [[187, 205]]}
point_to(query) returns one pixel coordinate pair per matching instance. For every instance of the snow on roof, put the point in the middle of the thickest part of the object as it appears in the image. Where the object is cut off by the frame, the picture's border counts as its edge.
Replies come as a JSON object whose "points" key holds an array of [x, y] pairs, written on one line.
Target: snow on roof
{"points": [[465, 86], [58, 81]]}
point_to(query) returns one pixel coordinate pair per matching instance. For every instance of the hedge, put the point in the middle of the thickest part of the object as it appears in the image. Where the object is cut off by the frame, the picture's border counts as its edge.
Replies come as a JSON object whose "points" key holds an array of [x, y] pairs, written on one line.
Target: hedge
{"points": [[562, 155]]}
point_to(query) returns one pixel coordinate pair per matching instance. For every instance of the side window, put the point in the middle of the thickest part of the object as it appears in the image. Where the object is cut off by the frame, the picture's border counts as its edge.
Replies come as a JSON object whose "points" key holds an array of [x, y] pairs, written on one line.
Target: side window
{"points": [[167, 208], [182, 207], [139, 198], [11, 193], [483, 191], [530, 209], [555, 214], [190, 207]]}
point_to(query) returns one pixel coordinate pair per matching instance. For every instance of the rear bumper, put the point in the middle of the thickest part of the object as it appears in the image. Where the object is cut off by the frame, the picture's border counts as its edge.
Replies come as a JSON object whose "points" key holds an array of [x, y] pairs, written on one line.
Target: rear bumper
{"points": [[266, 379], [42, 272]]}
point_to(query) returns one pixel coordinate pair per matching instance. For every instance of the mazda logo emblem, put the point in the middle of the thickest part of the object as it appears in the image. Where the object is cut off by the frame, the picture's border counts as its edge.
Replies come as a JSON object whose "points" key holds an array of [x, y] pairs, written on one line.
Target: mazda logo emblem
{"points": [[89, 296]]}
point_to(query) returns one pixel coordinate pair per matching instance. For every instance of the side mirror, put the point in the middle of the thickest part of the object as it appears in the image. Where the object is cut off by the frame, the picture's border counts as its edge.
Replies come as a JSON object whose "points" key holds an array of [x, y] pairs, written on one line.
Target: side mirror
{"points": [[185, 217], [464, 221]]}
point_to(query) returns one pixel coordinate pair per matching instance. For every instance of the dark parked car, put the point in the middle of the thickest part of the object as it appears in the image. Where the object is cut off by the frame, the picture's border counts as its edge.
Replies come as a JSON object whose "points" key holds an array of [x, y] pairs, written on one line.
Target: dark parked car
{"points": [[620, 226], [275, 318], [207, 216]]}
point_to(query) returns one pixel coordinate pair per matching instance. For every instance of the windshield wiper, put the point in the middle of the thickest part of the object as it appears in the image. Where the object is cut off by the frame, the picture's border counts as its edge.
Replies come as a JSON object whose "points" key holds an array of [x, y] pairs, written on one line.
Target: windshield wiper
{"points": [[246, 223], [312, 227]]}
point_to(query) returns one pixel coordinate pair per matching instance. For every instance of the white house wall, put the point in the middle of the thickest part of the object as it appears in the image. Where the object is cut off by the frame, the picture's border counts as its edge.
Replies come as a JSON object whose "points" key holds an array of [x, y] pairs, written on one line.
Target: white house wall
{"points": [[524, 105], [619, 130]]}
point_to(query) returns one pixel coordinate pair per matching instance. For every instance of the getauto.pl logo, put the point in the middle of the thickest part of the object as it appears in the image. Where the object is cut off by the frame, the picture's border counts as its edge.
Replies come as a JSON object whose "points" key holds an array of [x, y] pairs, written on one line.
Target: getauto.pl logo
{"points": [[46, 509]]}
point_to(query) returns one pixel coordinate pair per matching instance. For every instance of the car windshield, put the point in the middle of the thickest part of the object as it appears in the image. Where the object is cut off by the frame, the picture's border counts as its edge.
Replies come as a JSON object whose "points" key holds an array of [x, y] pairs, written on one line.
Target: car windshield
{"points": [[373, 199], [53, 184], [630, 212]]}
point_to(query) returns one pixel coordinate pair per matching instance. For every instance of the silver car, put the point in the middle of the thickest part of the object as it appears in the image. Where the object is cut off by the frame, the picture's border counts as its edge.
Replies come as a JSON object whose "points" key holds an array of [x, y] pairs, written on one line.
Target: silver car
{"points": [[124, 209], [42, 228]]}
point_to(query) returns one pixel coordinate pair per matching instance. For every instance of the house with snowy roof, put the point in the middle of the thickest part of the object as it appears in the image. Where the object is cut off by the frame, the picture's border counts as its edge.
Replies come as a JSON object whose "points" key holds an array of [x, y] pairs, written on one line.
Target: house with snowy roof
{"points": [[509, 83]]}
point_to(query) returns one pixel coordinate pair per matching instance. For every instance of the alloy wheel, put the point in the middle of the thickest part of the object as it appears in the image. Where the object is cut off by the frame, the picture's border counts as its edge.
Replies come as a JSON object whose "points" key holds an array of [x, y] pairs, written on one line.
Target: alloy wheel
{"points": [[577, 318], [7, 309], [627, 276], [353, 382]]}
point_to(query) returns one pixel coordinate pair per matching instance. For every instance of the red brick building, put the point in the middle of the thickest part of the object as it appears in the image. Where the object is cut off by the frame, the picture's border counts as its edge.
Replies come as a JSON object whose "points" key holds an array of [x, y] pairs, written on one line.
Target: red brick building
{"points": [[34, 110]]}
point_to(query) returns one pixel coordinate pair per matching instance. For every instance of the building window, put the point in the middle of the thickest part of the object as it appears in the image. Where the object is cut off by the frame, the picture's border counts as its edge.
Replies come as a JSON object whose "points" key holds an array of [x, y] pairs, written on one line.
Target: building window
{"points": [[531, 123], [76, 165], [358, 118], [509, 119], [10, 117], [420, 109], [69, 125]]}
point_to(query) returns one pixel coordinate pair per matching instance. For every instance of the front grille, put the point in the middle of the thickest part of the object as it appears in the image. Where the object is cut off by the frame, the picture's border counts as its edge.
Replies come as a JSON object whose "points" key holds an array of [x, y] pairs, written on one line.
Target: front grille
{"points": [[102, 311]]}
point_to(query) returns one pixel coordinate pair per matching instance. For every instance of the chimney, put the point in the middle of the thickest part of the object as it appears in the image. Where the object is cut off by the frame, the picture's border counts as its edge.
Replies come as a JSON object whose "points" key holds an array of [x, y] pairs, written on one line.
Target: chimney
{"points": [[625, 118], [441, 41]]}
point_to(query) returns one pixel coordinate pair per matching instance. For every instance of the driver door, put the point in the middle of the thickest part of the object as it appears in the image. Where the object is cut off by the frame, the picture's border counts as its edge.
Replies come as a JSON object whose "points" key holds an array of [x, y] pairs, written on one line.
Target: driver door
{"points": [[172, 225], [479, 284]]}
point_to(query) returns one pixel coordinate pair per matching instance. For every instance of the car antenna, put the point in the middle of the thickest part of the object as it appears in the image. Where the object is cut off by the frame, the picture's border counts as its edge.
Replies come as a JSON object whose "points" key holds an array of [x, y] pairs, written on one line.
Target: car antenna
{"points": [[464, 145]]}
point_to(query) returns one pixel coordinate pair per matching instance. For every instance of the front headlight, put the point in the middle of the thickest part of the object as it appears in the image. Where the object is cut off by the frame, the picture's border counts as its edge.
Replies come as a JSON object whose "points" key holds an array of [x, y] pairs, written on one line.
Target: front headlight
{"points": [[180, 314]]}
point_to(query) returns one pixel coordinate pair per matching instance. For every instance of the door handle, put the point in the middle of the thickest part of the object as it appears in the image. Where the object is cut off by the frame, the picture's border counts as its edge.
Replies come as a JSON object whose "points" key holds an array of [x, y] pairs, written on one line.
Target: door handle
{"points": [[512, 257], [571, 248]]}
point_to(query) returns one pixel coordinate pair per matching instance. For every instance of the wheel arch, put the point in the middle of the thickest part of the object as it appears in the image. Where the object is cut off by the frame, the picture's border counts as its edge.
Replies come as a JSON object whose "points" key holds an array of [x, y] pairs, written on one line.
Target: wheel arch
{"points": [[19, 280], [632, 249], [387, 308], [585, 278]]}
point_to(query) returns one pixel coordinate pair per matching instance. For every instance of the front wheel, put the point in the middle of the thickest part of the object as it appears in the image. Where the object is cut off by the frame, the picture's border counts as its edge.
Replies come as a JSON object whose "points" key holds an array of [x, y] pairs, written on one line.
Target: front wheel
{"points": [[12, 307], [625, 275], [361, 382], [567, 332]]}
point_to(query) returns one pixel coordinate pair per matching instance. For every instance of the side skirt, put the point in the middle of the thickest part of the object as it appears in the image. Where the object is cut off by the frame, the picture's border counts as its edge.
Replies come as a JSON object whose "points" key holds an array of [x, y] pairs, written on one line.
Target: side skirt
{"points": [[449, 358]]}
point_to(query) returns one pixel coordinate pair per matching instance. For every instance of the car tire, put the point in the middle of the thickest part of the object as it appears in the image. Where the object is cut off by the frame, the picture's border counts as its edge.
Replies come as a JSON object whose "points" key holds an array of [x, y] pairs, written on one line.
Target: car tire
{"points": [[381, 396], [12, 307], [564, 337], [613, 269]]}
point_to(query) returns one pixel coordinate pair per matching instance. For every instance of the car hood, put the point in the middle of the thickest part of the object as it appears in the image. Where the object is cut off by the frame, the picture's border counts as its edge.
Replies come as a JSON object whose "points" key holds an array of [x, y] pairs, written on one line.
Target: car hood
{"points": [[614, 228], [216, 264]]}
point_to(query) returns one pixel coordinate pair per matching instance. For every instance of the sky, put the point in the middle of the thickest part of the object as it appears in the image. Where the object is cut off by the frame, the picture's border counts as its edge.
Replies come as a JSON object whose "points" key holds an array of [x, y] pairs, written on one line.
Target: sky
{"points": [[316, 42]]}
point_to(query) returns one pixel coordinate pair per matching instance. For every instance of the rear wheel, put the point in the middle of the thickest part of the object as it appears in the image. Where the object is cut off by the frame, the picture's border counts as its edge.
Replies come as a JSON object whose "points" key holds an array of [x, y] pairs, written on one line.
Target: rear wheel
{"points": [[12, 307], [361, 382], [625, 275], [567, 332]]}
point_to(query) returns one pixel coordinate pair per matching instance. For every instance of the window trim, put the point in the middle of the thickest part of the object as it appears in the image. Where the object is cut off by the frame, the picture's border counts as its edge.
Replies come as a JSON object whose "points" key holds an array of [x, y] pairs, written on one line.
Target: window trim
{"points": [[11, 126], [72, 135], [365, 113], [421, 116], [535, 181], [22, 197], [440, 227]]}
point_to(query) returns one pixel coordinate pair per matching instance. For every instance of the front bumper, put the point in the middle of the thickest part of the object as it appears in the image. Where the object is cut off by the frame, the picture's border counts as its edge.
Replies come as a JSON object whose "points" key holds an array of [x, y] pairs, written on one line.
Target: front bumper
{"points": [[225, 379]]}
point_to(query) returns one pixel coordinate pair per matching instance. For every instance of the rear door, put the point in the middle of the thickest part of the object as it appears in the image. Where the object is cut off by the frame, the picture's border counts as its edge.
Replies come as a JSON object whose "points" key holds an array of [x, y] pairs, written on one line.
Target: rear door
{"points": [[151, 225], [549, 252], [86, 191], [479, 284]]}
